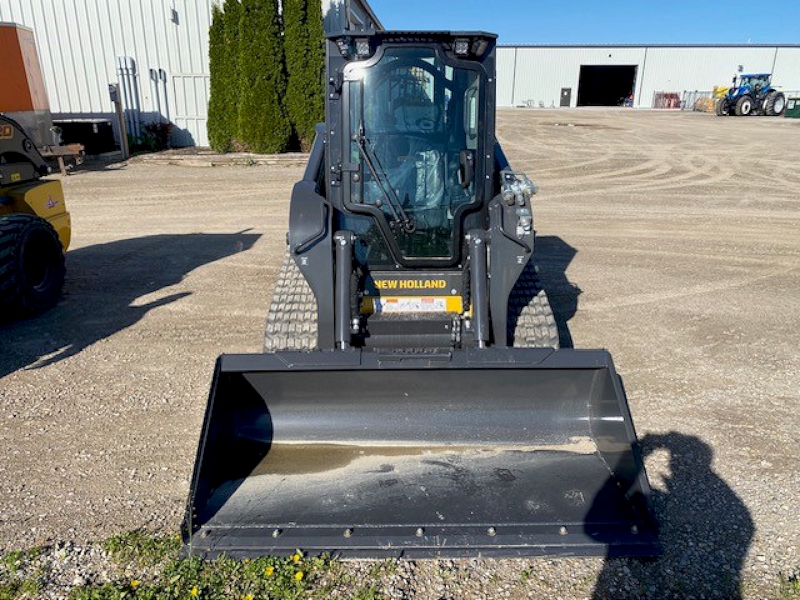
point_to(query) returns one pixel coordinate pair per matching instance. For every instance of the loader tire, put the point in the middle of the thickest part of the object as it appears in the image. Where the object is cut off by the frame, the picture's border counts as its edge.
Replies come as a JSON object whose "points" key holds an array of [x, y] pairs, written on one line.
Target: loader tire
{"points": [[31, 265], [292, 317], [722, 108], [744, 106], [775, 104], [531, 323]]}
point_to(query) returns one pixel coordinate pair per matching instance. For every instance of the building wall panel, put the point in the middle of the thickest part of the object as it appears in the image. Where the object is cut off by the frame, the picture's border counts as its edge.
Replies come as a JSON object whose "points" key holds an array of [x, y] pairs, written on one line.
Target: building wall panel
{"points": [[535, 75], [506, 63], [541, 73], [682, 69], [79, 42], [787, 71]]}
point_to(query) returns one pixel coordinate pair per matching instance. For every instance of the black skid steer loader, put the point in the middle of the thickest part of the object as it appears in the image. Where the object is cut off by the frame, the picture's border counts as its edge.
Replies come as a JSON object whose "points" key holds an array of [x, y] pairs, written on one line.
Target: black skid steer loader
{"points": [[412, 399]]}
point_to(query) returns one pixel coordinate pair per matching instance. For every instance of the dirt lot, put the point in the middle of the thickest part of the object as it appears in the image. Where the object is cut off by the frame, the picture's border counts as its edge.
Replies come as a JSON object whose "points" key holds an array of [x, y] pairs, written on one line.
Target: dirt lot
{"points": [[672, 239]]}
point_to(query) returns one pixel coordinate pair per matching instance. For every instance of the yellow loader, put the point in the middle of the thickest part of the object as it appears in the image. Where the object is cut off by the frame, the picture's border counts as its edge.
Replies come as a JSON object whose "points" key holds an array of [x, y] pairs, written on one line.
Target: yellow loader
{"points": [[34, 226]]}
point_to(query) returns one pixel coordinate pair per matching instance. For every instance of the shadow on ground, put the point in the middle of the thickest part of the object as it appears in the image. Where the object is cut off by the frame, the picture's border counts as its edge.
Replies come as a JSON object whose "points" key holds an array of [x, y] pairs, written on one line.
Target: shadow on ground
{"points": [[103, 282], [553, 255], [705, 531]]}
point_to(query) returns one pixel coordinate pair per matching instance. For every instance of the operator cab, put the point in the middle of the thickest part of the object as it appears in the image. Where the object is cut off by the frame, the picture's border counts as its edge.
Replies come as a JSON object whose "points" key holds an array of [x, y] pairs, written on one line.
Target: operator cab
{"points": [[415, 115], [756, 82]]}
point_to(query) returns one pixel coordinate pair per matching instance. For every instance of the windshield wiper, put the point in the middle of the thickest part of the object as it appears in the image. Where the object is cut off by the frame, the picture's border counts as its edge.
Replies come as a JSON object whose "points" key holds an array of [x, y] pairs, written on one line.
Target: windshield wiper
{"points": [[379, 174]]}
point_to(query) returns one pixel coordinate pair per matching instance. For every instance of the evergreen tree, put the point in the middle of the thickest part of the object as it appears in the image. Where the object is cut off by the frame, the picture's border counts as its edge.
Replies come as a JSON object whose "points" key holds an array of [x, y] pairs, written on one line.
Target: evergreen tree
{"points": [[263, 124], [223, 114], [305, 65], [218, 136]]}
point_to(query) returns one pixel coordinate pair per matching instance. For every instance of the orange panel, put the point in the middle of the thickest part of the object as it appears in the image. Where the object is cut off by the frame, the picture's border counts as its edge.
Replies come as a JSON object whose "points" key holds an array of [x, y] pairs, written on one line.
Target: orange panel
{"points": [[23, 85]]}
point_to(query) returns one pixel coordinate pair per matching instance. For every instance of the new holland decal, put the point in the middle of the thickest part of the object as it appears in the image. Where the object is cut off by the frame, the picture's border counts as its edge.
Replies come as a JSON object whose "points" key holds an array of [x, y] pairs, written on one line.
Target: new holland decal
{"points": [[410, 284]]}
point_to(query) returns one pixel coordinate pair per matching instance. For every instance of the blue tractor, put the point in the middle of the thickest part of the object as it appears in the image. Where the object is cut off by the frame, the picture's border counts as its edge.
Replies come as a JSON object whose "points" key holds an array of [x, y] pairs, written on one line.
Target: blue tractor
{"points": [[753, 95]]}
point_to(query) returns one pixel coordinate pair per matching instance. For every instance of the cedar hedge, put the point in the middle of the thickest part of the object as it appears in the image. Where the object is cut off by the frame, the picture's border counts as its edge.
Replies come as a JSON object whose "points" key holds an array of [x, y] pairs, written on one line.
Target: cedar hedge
{"points": [[264, 126], [223, 105], [305, 65], [266, 79]]}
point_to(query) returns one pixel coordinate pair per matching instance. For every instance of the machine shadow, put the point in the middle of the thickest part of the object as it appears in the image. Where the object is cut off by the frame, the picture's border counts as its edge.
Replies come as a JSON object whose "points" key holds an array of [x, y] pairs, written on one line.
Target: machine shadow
{"points": [[103, 283], [553, 256], [705, 531]]}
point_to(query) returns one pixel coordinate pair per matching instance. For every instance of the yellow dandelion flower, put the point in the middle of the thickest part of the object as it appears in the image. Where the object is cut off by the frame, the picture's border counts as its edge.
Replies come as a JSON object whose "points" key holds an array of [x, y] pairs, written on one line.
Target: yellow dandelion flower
{"points": [[248, 597], [194, 592], [297, 557], [134, 583], [269, 571], [299, 576]]}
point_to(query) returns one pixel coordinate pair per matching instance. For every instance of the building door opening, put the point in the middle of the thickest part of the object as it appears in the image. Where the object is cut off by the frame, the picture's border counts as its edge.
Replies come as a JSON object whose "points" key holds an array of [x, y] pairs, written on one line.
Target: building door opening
{"points": [[566, 96], [605, 85]]}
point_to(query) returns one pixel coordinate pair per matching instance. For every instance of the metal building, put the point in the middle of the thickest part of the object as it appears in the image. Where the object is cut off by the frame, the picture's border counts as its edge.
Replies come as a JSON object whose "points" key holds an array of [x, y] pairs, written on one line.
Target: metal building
{"points": [[160, 47], [603, 75]]}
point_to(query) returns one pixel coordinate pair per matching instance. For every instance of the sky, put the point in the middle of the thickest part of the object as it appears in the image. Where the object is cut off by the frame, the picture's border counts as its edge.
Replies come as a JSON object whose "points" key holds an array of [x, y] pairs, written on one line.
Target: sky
{"points": [[603, 21]]}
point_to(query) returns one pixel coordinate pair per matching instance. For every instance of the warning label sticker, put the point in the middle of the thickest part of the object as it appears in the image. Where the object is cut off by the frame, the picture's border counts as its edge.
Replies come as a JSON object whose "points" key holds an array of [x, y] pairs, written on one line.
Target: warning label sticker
{"points": [[410, 304]]}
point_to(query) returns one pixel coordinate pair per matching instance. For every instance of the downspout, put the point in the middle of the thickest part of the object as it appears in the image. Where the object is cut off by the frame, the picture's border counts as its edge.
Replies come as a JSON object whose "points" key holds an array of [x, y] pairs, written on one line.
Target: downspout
{"points": [[514, 79], [134, 93], [641, 81], [162, 75], [154, 92], [126, 93], [774, 60]]}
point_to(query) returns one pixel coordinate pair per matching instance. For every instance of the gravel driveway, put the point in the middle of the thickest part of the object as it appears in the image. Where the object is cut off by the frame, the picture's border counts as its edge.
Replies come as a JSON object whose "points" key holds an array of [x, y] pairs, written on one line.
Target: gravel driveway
{"points": [[672, 239]]}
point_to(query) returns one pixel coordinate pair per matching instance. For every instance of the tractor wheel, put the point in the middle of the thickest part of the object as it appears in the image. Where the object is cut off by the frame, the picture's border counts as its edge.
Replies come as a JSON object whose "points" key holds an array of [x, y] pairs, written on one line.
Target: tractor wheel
{"points": [[722, 107], [292, 316], [775, 104], [744, 106], [31, 264]]}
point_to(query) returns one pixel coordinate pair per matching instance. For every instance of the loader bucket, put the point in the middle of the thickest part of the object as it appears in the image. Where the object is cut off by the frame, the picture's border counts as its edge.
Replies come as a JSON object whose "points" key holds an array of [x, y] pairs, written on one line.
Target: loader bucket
{"points": [[496, 452]]}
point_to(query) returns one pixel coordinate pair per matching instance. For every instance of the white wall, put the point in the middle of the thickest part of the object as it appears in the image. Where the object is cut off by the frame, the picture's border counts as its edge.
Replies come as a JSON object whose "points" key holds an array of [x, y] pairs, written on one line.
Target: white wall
{"points": [[537, 73], [80, 40], [542, 72]]}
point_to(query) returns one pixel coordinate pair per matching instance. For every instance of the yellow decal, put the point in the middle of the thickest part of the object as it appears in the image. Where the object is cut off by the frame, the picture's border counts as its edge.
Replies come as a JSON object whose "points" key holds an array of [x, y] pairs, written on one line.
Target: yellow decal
{"points": [[412, 304], [410, 284], [15, 177], [6, 132]]}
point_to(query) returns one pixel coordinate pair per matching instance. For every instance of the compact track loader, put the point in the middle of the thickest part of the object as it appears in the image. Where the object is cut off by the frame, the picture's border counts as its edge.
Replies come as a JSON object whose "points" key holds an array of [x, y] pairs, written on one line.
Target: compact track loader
{"points": [[34, 226], [412, 399]]}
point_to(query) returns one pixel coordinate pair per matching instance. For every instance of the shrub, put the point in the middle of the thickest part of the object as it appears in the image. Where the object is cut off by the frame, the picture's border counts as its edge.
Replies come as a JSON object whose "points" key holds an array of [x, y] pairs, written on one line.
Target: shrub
{"points": [[263, 124], [223, 50], [305, 66]]}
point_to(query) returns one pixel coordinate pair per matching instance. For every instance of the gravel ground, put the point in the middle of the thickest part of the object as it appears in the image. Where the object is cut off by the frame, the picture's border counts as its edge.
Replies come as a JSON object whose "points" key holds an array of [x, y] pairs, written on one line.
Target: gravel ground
{"points": [[672, 239]]}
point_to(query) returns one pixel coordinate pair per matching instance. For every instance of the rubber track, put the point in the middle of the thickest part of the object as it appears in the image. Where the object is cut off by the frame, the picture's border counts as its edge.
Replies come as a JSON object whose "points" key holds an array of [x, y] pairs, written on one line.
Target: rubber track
{"points": [[531, 322], [292, 316]]}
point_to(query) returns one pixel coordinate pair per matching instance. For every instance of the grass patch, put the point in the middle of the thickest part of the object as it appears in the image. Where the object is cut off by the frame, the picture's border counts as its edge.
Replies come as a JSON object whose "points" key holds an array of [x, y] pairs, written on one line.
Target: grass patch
{"points": [[14, 561], [366, 593], [380, 569], [189, 578], [18, 578], [142, 548], [29, 588], [790, 586]]}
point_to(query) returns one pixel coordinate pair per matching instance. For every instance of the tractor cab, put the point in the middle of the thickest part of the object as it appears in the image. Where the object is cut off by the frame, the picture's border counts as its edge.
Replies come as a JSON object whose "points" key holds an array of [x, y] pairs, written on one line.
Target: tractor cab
{"points": [[751, 84]]}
